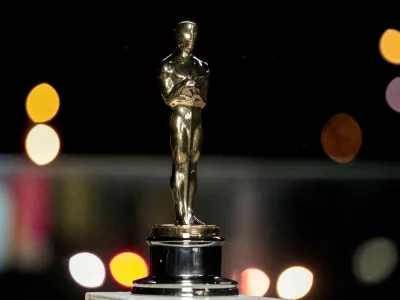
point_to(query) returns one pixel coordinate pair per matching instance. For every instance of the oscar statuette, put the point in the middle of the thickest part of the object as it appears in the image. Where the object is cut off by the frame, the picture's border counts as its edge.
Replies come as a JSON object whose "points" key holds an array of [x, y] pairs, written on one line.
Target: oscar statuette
{"points": [[185, 257]]}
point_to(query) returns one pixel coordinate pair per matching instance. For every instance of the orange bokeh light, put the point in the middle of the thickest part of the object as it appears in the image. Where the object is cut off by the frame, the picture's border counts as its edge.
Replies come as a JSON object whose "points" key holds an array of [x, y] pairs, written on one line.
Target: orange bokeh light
{"points": [[126, 267], [254, 282]]}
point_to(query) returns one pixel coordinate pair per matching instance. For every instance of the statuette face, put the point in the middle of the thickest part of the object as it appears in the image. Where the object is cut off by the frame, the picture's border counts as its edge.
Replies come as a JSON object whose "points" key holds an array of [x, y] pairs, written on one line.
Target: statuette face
{"points": [[186, 36], [184, 83]]}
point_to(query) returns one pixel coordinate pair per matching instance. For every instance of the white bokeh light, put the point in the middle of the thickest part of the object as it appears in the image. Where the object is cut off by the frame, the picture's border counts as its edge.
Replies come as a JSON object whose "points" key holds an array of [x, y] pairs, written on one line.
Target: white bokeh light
{"points": [[42, 144], [294, 283], [375, 260], [87, 270]]}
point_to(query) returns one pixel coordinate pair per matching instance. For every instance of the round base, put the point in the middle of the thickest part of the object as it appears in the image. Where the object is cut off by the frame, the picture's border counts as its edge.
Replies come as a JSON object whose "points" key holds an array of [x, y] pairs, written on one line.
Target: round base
{"points": [[129, 296], [185, 261], [217, 286], [184, 231]]}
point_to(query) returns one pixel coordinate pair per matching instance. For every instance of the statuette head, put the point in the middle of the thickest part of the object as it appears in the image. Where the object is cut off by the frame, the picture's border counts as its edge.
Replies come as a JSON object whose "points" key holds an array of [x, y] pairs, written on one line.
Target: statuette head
{"points": [[186, 35]]}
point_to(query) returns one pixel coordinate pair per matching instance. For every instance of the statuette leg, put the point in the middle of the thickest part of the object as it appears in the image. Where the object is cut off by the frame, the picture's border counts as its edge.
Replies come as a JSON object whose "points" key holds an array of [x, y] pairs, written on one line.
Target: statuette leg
{"points": [[196, 141], [186, 138]]}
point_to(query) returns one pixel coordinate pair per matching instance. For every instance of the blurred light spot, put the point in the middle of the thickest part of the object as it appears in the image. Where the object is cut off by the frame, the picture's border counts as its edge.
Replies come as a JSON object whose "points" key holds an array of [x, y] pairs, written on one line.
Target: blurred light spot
{"points": [[78, 209], [393, 94], [294, 283], [42, 144], [375, 260], [6, 216], [42, 103], [33, 199], [389, 46], [127, 267], [87, 270], [341, 138], [253, 282]]}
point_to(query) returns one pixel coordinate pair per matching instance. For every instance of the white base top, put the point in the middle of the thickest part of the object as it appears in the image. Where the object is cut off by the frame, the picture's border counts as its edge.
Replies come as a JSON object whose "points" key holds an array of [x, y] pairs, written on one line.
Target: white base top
{"points": [[129, 296]]}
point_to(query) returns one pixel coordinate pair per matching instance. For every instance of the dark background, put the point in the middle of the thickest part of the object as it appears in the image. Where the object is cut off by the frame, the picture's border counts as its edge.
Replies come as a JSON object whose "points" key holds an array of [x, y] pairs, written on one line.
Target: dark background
{"points": [[276, 79], [277, 76]]}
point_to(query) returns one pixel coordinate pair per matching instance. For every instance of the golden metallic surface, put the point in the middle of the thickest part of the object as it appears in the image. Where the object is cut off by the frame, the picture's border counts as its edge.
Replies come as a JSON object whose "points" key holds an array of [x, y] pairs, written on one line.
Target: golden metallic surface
{"points": [[184, 83], [184, 231]]}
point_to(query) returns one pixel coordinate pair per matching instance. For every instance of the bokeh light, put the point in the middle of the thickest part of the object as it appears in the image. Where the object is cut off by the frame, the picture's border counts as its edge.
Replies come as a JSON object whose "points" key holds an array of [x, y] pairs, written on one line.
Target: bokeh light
{"points": [[341, 138], [42, 144], [294, 283], [87, 270], [80, 209], [253, 282], [42, 103], [375, 260], [389, 46], [127, 267], [6, 215], [393, 94], [32, 250]]}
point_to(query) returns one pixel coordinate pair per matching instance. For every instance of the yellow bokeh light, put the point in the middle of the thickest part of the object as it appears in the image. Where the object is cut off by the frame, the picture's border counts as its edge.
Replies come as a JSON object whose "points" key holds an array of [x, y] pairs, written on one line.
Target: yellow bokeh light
{"points": [[389, 46], [42, 103], [294, 283], [127, 267], [42, 144]]}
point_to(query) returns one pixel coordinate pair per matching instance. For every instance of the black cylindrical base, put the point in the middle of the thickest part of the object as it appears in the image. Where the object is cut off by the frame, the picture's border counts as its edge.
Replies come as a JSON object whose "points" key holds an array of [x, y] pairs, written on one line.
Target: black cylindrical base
{"points": [[179, 262], [185, 267]]}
